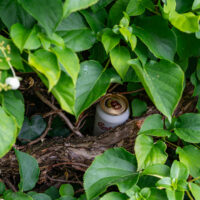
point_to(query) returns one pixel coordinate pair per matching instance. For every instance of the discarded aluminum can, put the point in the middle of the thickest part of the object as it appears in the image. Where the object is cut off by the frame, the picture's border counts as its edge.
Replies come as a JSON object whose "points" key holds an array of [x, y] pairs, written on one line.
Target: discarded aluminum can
{"points": [[112, 111]]}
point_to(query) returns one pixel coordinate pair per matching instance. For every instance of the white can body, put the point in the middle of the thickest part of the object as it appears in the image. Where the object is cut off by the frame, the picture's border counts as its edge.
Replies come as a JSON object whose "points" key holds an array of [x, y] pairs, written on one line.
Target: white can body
{"points": [[105, 122]]}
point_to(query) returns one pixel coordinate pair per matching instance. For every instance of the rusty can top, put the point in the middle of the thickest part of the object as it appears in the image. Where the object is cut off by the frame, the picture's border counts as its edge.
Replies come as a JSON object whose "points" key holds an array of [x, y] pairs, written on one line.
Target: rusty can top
{"points": [[114, 104]]}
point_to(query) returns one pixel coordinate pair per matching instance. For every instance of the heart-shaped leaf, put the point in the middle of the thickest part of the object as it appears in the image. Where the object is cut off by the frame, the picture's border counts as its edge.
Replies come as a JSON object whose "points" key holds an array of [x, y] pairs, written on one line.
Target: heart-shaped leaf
{"points": [[32, 129], [189, 156], [163, 82], [8, 132], [29, 170], [24, 38], [49, 13], [148, 153], [153, 125], [155, 33], [72, 6], [13, 104], [187, 127], [69, 61], [119, 57], [110, 168], [48, 66]]}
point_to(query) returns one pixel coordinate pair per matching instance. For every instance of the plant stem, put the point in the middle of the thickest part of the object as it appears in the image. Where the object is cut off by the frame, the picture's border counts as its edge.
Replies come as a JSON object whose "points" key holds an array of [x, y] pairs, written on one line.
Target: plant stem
{"points": [[6, 57], [195, 179], [107, 64], [174, 145], [61, 114], [189, 195]]}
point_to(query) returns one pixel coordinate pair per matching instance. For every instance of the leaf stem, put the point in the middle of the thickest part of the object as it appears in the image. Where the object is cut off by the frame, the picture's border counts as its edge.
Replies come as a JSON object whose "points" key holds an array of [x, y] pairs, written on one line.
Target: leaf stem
{"points": [[172, 144], [2, 48], [107, 64], [189, 195], [195, 179]]}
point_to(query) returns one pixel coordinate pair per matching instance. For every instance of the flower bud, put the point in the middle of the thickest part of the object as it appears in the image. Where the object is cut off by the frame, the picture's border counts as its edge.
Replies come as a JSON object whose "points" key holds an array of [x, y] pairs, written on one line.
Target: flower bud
{"points": [[13, 82]]}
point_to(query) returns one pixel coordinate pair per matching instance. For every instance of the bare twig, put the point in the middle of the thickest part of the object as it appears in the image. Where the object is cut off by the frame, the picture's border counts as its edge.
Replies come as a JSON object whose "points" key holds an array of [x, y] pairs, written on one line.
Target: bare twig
{"points": [[131, 92], [61, 180], [44, 134], [113, 87], [70, 163], [10, 185], [61, 114]]}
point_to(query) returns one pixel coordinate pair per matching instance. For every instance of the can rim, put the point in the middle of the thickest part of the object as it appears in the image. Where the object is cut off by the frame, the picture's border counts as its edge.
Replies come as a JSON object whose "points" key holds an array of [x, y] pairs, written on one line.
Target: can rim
{"points": [[113, 112]]}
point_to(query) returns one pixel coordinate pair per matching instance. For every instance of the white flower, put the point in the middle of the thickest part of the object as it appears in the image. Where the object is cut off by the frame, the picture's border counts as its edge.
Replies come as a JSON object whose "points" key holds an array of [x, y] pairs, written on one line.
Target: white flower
{"points": [[13, 82]]}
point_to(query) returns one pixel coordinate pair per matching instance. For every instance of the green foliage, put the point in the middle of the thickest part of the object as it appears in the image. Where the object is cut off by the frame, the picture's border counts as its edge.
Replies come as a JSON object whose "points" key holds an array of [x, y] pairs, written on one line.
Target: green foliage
{"points": [[154, 76], [111, 168], [78, 49], [138, 107], [149, 153], [28, 176], [32, 129]]}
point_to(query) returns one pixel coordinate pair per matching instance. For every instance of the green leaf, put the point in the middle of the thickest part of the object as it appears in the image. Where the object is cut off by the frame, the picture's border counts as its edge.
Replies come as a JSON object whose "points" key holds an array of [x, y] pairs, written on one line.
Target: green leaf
{"points": [[110, 40], [2, 188], [179, 171], [13, 104], [195, 189], [14, 55], [17, 196], [114, 196], [163, 82], [187, 127], [126, 185], [72, 6], [29, 170], [149, 153], [67, 198], [119, 58], [52, 192], [48, 13], [196, 5], [66, 189], [95, 20], [155, 33], [183, 6], [92, 83], [73, 22], [64, 95], [69, 61], [108, 169], [153, 125], [187, 44], [32, 129], [138, 107], [8, 132], [175, 195], [78, 40], [48, 66], [187, 22], [164, 183], [137, 7], [116, 12], [157, 194], [142, 52], [11, 12], [189, 155], [24, 38], [157, 170], [40, 196], [101, 4]]}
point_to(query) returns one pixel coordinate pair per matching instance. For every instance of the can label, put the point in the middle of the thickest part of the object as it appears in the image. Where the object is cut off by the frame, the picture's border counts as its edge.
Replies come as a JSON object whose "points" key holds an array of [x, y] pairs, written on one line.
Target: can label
{"points": [[103, 127]]}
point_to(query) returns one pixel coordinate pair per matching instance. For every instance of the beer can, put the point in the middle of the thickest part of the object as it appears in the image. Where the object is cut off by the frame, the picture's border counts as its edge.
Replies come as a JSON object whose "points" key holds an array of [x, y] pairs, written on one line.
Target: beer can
{"points": [[113, 110]]}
